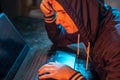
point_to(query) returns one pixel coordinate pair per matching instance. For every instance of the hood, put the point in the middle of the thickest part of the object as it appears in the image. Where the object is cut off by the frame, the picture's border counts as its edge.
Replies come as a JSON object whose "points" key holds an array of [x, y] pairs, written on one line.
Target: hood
{"points": [[87, 15]]}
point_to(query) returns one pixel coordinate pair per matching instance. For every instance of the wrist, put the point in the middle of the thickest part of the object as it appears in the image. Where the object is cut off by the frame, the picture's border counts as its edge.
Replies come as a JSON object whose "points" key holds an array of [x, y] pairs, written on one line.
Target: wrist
{"points": [[50, 18], [77, 76]]}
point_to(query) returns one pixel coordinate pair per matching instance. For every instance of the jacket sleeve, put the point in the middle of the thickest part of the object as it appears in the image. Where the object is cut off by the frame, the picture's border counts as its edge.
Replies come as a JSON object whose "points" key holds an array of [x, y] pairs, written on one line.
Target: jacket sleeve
{"points": [[59, 36], [77, 76], [113, 66]]}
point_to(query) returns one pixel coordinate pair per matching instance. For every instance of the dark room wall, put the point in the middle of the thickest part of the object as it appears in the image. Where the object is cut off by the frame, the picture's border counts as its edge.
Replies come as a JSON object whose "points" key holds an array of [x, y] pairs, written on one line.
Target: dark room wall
{"points": [[11, 7], [114, 3]]}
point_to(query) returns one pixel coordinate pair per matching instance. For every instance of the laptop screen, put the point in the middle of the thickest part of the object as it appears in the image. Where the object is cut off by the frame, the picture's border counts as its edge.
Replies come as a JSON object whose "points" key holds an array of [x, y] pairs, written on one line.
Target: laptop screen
{"points": [[11, 45]]}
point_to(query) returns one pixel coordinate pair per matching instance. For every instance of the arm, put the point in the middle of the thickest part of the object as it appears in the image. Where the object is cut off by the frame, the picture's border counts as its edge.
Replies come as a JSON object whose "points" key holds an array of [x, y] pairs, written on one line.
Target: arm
{"points": [[58, 71], [59, 36], [113, 67], [111, 44]]}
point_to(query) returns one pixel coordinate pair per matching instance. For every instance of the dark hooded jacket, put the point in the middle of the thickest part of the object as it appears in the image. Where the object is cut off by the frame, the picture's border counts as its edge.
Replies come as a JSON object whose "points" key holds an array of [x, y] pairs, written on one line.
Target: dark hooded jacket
{"points": [[98, 24]]}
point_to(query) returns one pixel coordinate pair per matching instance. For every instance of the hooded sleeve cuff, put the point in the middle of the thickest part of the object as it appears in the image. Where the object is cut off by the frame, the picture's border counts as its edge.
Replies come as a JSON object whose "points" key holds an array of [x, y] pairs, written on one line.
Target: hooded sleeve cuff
{"points": [[77, 76], [50, 19]]}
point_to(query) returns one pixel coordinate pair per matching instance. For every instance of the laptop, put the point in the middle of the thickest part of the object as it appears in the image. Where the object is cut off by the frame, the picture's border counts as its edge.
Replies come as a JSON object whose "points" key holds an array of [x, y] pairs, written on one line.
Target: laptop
{"points": [[13, 49]]}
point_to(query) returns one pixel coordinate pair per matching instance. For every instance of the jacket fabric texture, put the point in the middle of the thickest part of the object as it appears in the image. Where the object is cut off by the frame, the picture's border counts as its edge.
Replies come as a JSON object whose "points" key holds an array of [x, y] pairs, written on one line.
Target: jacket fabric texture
{"points": [[99, 24]]}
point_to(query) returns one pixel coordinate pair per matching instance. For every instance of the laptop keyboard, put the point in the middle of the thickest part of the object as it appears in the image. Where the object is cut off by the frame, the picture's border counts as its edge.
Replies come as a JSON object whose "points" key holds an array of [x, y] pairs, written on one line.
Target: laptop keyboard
{"points": [[80, 65]]}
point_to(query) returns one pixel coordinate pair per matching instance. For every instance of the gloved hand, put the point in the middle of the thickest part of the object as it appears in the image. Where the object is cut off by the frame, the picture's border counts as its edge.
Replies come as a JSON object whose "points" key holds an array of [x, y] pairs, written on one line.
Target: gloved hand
{"points": [[56, 71], [46, 8]]}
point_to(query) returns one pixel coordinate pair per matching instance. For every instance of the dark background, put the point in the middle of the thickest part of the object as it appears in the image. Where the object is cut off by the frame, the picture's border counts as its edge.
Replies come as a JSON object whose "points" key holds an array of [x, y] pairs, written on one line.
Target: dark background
{"points": [[30, 8]]}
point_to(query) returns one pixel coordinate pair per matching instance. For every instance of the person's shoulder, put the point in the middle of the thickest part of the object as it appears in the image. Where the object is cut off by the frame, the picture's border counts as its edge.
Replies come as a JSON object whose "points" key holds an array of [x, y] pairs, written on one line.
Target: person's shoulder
{"points": [[115, 11]]}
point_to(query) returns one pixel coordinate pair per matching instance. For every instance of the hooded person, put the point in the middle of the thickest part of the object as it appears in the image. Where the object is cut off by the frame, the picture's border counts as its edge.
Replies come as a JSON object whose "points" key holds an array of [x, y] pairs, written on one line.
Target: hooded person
{"points": [[98, 25]]}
